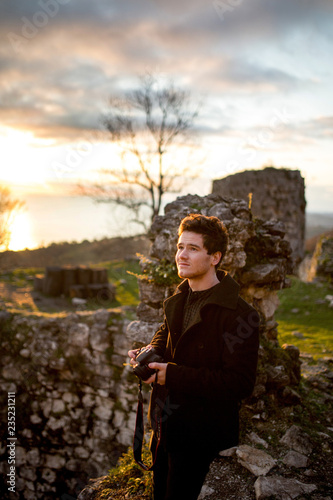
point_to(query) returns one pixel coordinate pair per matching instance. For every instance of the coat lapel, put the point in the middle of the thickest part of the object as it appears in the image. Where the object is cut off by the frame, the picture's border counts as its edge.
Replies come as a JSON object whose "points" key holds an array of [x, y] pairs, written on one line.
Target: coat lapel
{"points": [[225, 295]]}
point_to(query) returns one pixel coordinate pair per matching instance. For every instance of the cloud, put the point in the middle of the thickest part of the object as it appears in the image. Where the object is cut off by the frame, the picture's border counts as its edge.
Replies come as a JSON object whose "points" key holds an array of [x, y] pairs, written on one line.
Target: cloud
{"points": [[59, 82], [320, 128]]}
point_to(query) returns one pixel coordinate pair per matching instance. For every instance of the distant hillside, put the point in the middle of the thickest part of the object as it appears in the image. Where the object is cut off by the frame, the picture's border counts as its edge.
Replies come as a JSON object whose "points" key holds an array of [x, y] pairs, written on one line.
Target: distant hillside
{"points": [[93, 252], [317, 224], [87, 252]]}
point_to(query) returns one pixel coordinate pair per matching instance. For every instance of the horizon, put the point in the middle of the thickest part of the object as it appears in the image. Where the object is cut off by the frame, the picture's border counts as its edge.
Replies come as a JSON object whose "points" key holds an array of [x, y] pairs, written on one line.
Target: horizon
{"points": [[32, 231]]}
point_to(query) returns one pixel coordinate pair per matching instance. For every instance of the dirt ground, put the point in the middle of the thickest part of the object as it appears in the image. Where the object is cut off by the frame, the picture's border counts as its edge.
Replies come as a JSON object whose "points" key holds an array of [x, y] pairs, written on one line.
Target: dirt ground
{"points": [[26, 299]]}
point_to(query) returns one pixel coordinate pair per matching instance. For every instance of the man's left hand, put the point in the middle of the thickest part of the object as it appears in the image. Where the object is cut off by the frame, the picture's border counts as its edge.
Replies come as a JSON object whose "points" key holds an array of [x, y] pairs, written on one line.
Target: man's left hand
{"points": [[161, 373]]}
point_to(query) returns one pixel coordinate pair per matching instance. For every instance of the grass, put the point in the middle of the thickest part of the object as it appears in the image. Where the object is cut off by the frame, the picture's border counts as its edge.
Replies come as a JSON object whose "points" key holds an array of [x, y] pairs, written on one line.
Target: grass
{"points": [[127, 293], [20, 277], [127, 479], [126, 284], [303, 309]]}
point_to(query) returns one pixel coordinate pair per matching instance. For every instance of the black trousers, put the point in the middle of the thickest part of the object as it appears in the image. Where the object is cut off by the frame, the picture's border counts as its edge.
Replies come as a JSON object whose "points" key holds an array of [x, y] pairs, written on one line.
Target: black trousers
{"points": [[180, 475]]}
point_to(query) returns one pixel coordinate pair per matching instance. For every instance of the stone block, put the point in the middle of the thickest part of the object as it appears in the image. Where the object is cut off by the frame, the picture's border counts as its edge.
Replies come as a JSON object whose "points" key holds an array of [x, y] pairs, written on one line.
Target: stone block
{"points": [[78, 335], [295, 459], [296, 439], [256, 461], [281, 488]]}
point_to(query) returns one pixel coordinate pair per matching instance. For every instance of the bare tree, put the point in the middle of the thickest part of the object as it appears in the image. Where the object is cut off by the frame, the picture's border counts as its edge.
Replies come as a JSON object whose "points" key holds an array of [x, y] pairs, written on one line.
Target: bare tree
{"points": [[150, 126], [9, 207]]}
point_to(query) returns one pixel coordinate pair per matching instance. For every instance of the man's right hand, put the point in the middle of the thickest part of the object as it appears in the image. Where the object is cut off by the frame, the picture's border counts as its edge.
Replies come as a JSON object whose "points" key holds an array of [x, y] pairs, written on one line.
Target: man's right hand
{"points": [[133, 354]]}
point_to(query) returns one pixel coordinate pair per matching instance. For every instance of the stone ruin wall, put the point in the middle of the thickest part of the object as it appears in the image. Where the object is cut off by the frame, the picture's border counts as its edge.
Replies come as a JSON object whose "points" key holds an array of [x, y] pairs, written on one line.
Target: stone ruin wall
{"points": [[75, 399], [258, 257], [76, 395], [277, 194]]}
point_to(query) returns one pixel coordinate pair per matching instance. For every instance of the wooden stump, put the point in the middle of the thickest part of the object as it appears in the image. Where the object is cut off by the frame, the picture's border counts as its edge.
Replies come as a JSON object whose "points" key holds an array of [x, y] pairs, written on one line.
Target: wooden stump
{"points": [[70, 278], [83, 276], [99, 275], [81, 282], [53, 283]]}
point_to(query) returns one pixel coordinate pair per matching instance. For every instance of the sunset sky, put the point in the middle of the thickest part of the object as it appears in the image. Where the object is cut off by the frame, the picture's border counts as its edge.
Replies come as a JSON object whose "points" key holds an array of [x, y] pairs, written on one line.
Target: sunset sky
{"points": [[261, 68]]}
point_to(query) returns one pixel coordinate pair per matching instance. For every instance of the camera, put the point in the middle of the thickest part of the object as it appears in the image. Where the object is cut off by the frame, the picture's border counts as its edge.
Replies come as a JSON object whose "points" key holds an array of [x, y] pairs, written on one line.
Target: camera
{"points": [[145, 356]]}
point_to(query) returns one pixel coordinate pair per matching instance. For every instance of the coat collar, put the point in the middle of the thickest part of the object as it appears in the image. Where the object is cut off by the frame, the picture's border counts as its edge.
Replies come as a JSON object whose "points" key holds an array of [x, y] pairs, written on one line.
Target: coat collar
{"points": [[225, 294]]}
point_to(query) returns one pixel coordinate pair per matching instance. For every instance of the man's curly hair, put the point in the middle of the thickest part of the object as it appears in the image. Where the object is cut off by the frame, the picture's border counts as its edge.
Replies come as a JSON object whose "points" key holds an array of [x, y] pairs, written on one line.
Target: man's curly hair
{"points": [[214, 233]]}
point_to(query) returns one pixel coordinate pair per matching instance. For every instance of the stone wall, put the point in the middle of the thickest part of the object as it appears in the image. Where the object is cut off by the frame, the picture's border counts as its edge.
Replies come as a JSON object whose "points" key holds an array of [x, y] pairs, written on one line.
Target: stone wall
{"points": [[321, 263], [75, 400], [258, 257], [277, 194]]}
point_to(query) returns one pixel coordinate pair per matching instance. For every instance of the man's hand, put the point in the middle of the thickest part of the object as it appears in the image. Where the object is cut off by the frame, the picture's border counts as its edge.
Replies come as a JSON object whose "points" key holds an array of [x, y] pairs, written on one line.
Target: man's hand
{"points": [[161, 373], [133, 354]]}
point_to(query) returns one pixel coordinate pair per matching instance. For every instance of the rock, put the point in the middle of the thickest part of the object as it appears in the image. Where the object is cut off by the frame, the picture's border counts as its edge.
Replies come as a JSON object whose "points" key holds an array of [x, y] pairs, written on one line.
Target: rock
{"points": [[296, 439], [292, 350], [81, 452], [28, 473], [147, 313], [258, 391], [277, 376], [33, 457], [99, 338], [281, 488], [290, 396], [104, 408], [268, 305], [102, 317], [295, 459], [76, 301], [322, 260], [49, 475], [151, 292], [89, 492], [54, 461], [230, 452], [255, 439], [297, 334], [141, 331], [205, 492], [256, 461], [262, 274], [58, 406], [79, 335]]}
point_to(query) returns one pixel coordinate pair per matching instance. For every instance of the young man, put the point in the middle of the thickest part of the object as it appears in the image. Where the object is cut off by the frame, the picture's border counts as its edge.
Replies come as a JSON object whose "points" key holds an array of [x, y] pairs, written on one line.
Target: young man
{"points": [[209, 343]]}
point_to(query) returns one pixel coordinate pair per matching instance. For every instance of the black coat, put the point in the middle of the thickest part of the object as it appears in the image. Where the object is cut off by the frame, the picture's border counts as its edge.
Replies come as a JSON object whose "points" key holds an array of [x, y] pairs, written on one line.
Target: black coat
{"points": [[211, 367]]}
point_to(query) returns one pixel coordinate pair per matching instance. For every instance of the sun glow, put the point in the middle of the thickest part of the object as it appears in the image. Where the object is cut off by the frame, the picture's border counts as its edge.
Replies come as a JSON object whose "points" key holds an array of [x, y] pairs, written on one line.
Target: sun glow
{"points": [[19, 149], [21, 234]]}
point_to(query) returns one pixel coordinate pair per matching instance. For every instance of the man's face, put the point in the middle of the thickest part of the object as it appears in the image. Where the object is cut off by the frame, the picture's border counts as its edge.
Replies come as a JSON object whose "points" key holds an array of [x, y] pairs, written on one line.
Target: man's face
{"points": [[192, 259]]}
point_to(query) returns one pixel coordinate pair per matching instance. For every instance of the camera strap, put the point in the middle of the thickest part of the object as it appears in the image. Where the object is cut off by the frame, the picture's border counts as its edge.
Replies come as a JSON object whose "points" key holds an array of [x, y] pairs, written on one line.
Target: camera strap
{"points": [[139, 433]]}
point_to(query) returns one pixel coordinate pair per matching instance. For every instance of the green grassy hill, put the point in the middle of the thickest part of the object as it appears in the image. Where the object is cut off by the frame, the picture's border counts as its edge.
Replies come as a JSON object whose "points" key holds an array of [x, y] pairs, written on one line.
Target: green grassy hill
{"points": [[305, 318]]}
